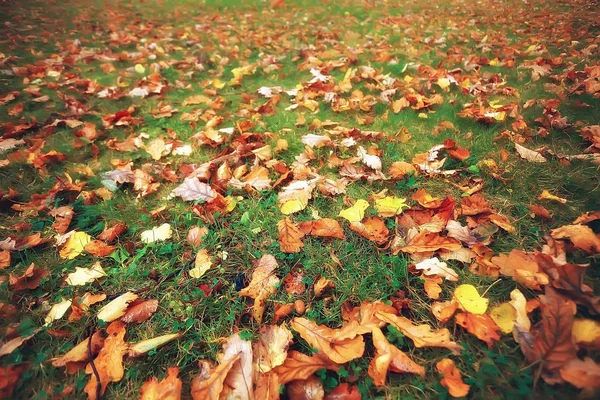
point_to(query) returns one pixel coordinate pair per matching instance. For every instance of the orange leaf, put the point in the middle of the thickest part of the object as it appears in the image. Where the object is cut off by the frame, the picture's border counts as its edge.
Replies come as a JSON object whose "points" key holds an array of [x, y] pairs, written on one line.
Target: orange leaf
{"points": [[9, 377], [167, 389], [425, 241], [400, 169], [426, 200], [208, 384], [4, 259], [459, 153], [522, 267], [267, 386], [271, 348], [389, 357], [109, 362], [452, 378], [421, 335], [298, 366], [582, 237], [475, 204], [325, 339], [344, 391], [480, 325], [289, 236], [432, 287], [263, 284], [443, 311], [582, 374], [325, 227], [98, 248], [371, 228]]}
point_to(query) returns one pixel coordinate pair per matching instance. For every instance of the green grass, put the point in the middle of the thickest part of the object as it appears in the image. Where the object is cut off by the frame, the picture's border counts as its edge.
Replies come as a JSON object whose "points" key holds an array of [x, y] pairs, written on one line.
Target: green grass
{"points": [[232, 33]]}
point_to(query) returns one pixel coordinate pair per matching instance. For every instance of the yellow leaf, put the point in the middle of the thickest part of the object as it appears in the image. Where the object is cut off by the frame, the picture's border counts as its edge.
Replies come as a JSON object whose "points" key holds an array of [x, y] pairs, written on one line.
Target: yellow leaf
{"points": [[546, 195], [586, 332], [355, 213], [57, 311], [83, 276], [75, 244], [139, 68], [139, 348], [390, 206], [504, 316], [202, 264], [443, 82], [469, 299], [217, 83], [158, 233], [116, 308], [292, 206]]}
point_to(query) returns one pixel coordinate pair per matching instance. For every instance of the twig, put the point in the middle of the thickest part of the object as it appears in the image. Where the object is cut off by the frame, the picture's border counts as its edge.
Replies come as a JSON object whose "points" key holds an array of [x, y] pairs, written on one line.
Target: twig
{"points": [[93, 365]]}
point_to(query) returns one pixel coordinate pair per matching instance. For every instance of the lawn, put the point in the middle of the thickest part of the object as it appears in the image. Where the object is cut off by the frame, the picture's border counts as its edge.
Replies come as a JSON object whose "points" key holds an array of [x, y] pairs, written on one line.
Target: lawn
{"points": [[306, 199]]}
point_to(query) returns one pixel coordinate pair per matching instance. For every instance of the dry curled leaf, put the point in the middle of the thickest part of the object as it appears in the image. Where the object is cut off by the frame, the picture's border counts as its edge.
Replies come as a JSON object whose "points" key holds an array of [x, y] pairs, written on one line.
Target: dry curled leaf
{"points": [[167, 389], [452, 379]]}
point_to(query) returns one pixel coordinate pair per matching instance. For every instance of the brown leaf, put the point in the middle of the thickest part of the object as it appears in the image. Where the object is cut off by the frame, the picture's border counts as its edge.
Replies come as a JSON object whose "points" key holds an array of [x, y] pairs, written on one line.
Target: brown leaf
{"points": [[282, 310], [581, 236], [539, 211], [271, 348], [79, 353], [62, 218], [4, 259], [372, 228], [298, 366], [480, 325], [167, 389], [474, 204], [425, 241], [293, 282], [451, 378], [29, 280], [344, 391], [109, 362], [582, 374], [140, 312], [322, 285], [522, 267], [325, 227], [550, 341], [290, 237], [9, 377], [267, 386], [443, 311], [325, 339], [309, 389], [389, 357], [110, 234]]}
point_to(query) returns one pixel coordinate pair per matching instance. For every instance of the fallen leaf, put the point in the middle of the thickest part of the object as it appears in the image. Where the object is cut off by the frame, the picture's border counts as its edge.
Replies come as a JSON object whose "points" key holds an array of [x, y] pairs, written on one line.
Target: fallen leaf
{"points": [[344, 391], [433, 266], [308, 389], [263, 284], [271, 348], [140, 312], [480, 325], [583, 374], [546, 195], [389, 357], [29, 280], [143, 347], [444, 310], [529, 155], [581, 236], [371, 228], [451, 378], [356, 213], [469, 299], [298, 366], [109, 362], [324, 339], [167, 389], [192, 190], [322, 285], [586, 333], [426, 200], [157, 234], [117, 307], [202, 263], [75, 245], [421, 335], [196, 234], [57, 311], [390, 206], [290, 237], [324, 227], [83, 276]]}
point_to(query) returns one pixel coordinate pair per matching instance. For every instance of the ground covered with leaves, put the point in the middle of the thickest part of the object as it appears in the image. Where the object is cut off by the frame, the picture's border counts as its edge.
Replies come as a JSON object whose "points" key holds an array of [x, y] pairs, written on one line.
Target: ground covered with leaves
{"points": [[299, 199]]}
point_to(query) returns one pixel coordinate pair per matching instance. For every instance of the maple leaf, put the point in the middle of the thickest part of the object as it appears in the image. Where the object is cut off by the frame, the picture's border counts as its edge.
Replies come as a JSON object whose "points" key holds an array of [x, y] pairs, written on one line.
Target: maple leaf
{"points": [[290, 237], [298, 366], [325, 339], [550, 340], [109, 362], [421, 335], [452, 378], [192, 190], [167, 389], [389, 357], [263, 284]]}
